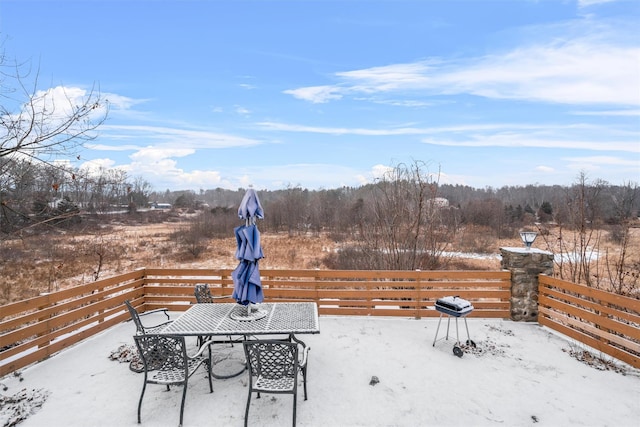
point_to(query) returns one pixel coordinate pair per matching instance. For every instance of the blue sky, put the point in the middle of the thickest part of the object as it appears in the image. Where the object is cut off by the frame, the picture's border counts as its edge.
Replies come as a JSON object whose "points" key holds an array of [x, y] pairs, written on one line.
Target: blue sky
{"points": [[324, 94]]}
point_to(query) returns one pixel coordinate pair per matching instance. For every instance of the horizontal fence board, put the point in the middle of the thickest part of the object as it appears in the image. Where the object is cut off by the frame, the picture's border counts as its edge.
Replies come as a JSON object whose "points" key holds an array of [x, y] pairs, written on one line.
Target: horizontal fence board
{"points": [[631, 304], [593, 305], [44, 300], [41, 326], [603, 320], [50, 349], [600, 334], [620, 354]]}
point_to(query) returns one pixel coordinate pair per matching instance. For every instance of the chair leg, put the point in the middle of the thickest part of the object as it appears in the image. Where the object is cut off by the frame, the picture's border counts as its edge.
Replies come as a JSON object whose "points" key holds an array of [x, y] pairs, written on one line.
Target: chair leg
{"points": [[144, 387], [184, 397], [295, 399], [246, 411], [210, 375], [304, 381]]}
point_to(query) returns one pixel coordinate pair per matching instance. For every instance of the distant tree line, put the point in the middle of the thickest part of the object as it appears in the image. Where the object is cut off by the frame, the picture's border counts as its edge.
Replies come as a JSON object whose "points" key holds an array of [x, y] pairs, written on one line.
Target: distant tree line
{"points": [[351, 210], [407, 220]]}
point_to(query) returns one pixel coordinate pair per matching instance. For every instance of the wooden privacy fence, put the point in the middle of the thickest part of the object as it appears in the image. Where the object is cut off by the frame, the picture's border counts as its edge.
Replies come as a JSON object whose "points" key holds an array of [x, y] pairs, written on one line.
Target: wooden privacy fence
{"points": [[345, 292], [608, 322], [32, 330]]}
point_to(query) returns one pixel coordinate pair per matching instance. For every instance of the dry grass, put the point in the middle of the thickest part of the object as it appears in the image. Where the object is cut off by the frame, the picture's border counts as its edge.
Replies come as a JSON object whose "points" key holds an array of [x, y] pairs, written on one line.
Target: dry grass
{"points": [[52, 262]]}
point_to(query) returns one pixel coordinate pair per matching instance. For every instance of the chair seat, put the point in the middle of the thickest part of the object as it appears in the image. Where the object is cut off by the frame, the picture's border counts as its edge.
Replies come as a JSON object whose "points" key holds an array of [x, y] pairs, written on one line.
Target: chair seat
{"points": [[175, 375], [166, 362], [155, 329], [274, 385], [273, 368]]}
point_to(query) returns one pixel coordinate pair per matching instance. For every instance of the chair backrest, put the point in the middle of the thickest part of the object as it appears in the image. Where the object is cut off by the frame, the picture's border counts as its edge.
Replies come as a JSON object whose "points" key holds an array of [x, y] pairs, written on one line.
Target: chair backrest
{"points": [[272, 359], [135, 317], [162, 352], [203, 293]]}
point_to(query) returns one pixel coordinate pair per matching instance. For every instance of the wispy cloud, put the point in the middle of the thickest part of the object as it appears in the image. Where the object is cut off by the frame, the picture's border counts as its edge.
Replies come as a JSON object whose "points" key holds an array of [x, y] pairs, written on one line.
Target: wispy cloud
{"points": [[587, 3], [592, 68], [619, 113], [526, 140], [316, 94], [574, 136], [192, 138], [604, 160]]}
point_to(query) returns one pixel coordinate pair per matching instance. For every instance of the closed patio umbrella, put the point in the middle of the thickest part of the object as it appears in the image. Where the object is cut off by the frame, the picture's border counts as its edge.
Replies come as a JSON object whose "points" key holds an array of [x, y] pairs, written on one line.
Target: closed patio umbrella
{"points": [[247, 286]]}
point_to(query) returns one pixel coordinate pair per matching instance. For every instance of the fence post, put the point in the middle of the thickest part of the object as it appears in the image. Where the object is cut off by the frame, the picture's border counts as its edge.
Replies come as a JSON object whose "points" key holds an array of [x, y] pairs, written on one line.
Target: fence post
{"points": [[525, 266]]}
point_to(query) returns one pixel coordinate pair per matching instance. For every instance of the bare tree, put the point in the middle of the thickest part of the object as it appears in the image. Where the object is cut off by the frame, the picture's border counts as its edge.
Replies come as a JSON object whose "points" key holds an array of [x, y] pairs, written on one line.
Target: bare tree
{"points": [[579, 232], [39, 127], [406, 225], [623, 268]]}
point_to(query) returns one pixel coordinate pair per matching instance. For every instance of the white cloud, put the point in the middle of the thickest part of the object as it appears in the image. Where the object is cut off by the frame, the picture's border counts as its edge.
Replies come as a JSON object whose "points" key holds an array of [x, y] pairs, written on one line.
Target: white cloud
{"points": [[511, 139], [393, 131], [316, 94], [243, 111], [390, 77], [152, 155], [544, 169], [56, 105], [577, 136], [96, 167], [175, 136], [577, 72], [164, 172], [379, 172], [104, 147], [569, 70], [618, 113], [587, 3], [605, 160], [596, 165], [120, 102]]}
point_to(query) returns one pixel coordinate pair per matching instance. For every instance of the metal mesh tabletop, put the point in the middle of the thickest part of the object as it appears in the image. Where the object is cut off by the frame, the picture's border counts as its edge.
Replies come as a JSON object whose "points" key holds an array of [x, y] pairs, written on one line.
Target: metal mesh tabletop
{"points": [[216, 319]]}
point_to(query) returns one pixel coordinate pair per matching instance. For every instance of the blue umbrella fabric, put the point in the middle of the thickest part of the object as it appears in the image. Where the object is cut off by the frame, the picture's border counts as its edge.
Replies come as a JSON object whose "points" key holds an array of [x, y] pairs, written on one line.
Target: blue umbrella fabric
{"points": [[250, 207], [247, 287]]}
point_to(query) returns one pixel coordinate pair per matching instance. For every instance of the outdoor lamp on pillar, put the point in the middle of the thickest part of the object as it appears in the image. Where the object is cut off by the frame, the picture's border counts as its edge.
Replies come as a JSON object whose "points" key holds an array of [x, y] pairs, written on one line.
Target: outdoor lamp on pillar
{"points": [[528, 237]]}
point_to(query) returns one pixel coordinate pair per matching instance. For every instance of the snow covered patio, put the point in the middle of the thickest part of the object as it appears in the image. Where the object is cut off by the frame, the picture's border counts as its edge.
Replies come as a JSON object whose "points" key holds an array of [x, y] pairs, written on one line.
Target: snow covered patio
{"points": [[519, 374]]}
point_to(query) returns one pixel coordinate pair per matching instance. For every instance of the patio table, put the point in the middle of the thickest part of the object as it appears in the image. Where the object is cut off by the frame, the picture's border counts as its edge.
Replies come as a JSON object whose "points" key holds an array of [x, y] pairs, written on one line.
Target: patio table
{"points": [[222, 319], [230, 319]]}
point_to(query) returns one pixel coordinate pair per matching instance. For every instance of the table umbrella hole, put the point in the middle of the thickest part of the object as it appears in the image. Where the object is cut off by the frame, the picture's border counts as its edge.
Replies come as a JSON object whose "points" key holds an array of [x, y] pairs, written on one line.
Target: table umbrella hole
{"points": [[241, 313]]}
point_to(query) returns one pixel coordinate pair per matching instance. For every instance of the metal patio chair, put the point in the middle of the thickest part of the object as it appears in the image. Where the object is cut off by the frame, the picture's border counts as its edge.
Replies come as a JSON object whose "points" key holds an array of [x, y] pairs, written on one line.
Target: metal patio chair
{"points": [[273, 368], [136, 363], [141, 329], [166, 362], [203, 295]]}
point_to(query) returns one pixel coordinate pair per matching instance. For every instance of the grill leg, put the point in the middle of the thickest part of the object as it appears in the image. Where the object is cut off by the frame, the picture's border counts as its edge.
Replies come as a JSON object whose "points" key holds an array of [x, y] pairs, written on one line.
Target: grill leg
{"points": [[437, 329], [466, 326], [448, 323]]}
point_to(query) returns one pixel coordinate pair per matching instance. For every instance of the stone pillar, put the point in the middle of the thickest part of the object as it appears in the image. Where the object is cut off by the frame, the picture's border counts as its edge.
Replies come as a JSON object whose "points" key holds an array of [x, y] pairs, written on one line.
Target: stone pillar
{"points": [[525, 266]]}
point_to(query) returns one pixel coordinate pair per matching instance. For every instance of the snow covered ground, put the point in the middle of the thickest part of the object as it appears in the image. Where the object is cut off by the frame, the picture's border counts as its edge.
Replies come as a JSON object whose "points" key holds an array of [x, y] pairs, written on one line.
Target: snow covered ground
{"points": [[519, 374]]}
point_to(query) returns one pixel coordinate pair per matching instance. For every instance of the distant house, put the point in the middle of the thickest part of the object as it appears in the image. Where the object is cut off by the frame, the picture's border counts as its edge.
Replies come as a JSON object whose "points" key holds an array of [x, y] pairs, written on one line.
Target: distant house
{"points": [[156, 205], [439, 202]]}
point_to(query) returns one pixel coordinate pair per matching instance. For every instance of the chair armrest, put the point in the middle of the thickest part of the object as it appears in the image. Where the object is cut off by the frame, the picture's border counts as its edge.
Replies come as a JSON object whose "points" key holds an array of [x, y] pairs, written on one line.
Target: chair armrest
{"points": [[201, 350], [305, 349], [305, 353], [157, 310]]}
